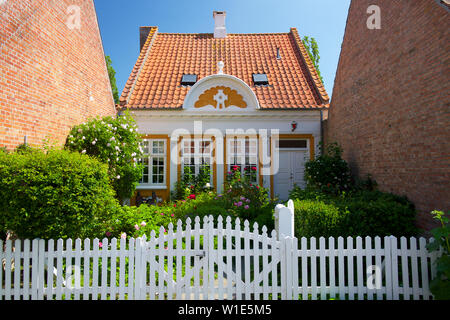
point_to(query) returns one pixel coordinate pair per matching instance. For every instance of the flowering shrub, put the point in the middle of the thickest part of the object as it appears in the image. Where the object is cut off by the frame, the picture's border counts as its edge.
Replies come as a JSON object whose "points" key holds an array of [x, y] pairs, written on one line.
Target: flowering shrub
{"points": [[328, 173], [114, 141], [189, 185], [244, 198]]}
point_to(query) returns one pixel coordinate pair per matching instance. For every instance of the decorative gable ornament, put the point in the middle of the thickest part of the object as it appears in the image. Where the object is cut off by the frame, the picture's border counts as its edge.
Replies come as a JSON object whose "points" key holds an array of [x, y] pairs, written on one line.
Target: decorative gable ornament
{"points": [[220, 97]]}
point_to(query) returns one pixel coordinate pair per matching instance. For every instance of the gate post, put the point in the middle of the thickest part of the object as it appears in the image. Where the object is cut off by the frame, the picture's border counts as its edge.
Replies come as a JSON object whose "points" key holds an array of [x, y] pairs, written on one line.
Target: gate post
{"points": [[284, 225], [139, 271], [284, 220]]}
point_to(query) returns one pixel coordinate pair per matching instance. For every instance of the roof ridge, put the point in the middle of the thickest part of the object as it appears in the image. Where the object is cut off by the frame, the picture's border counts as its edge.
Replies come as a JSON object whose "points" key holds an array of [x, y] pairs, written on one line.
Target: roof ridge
{"points": [[311, 68], [234, 34]]}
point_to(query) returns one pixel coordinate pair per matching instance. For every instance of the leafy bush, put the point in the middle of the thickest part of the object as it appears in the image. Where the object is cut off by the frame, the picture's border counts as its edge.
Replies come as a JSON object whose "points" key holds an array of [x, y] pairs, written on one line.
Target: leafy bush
{"points": [[376, 214], [440, 285], [315, 219], [307, 194], [61, 194], [114, 141], [329, 173], [137, 221], [365, 213], [204, 204]]}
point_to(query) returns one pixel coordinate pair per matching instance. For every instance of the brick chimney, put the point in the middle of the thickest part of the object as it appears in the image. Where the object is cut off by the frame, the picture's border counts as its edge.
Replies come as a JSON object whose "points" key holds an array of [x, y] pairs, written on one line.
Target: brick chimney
{"points": [[219, 24], [143, 34]]}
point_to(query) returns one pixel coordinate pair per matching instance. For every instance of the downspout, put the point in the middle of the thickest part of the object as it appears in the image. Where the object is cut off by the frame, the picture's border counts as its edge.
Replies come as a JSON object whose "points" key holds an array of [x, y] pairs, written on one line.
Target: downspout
{"points": [[321, 130]]}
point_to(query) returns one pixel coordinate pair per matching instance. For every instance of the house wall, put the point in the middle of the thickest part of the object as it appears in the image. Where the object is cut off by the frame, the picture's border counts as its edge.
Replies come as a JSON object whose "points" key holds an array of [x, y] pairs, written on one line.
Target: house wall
{"points": [[52, 73], [158, 124], [390, 105]]}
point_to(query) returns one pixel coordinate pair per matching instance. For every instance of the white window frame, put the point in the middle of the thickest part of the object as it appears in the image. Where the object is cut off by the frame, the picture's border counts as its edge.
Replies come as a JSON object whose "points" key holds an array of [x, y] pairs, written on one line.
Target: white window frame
{"points": [[199, 154], [238, 154], [151, 155]]}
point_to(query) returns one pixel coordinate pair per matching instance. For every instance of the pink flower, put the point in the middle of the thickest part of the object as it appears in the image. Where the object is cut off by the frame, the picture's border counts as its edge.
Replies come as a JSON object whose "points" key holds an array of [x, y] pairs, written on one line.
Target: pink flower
{"points": [[136, 227], [123, 235], [239, 203], [143, 223], [246, 207], [172, 215], [162, 213], [108, 234], [100, 244]]}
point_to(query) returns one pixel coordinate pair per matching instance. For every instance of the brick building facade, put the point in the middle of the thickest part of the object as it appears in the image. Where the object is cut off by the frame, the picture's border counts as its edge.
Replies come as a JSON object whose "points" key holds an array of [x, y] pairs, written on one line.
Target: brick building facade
{"points": [[390, 108], [52, 70]]}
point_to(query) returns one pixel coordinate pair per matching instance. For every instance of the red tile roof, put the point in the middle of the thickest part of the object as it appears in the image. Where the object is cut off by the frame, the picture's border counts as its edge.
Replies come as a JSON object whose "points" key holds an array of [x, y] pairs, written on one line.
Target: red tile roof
{"points": [[155, 80]]}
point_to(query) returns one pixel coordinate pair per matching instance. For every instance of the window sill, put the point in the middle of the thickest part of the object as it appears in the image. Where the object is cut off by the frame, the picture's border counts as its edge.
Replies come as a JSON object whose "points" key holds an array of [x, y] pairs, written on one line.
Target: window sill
{"points": [[151, 187]]}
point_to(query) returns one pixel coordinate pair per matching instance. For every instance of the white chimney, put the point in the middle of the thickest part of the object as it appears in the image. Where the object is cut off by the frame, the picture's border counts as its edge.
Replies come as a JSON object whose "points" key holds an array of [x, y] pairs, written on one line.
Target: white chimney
{"points": [[219, 24]]}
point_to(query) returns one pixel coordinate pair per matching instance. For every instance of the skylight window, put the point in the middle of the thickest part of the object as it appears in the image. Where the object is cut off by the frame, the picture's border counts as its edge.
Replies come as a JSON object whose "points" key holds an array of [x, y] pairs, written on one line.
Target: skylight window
{"points": [[188, 79], [260, 79]]}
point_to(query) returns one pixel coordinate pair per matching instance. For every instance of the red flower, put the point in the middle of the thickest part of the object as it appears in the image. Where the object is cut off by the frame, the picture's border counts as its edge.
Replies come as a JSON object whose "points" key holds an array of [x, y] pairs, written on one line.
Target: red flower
{"points": [[192, 196], [254, 168], [235, 168], [175, 205]]}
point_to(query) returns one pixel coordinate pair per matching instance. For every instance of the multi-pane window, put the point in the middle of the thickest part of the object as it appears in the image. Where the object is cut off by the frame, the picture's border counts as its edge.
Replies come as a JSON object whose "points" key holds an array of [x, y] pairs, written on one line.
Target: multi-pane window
{"points": [[243, 154], [154, 161], [195, 154]]}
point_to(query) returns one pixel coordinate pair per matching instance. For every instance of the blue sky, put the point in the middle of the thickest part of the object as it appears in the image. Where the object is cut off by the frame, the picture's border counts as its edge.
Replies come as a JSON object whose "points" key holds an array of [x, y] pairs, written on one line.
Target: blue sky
{"points": [[120, 20]]}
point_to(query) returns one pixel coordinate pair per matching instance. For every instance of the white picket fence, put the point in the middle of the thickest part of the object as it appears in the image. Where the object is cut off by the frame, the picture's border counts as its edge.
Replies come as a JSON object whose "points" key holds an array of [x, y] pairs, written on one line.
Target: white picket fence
{"points": [[218, 261]]}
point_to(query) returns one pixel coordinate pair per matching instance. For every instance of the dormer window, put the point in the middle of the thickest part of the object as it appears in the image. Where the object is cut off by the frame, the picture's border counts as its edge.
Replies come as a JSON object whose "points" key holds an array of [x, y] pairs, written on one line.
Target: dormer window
{"points": [[260, 79], [188, 79]]}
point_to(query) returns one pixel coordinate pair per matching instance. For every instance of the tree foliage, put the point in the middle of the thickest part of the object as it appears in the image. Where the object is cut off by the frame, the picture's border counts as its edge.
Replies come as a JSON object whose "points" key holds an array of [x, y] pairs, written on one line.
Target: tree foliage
{"points": [[112, 79], [313, 50]]}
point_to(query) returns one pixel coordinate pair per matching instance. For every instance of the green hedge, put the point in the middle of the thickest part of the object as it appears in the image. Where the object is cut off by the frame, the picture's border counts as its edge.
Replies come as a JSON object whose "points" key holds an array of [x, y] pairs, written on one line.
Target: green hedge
{"points": [[374, 213], [359, 213], [315, 218], [61, 194]]}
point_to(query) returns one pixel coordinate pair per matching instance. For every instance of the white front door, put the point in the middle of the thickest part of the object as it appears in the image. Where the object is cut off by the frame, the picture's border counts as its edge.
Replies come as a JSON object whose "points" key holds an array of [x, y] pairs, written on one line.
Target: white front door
{"points": [[291, 171]]}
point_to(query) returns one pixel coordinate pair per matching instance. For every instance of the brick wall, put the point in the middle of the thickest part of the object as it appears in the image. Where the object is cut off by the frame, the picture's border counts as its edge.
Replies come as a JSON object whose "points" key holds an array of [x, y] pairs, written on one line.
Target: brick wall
{"points": [[51, 77], [390, 108]]}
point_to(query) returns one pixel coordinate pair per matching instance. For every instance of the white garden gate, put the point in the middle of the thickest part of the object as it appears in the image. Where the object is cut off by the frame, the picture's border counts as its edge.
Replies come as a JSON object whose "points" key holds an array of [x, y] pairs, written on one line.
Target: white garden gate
{"points": [[210, 262]]}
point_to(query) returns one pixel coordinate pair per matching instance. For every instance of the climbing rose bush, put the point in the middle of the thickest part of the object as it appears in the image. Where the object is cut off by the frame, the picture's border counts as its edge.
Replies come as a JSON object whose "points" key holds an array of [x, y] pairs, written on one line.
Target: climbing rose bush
{"points": [[116, 142]]}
